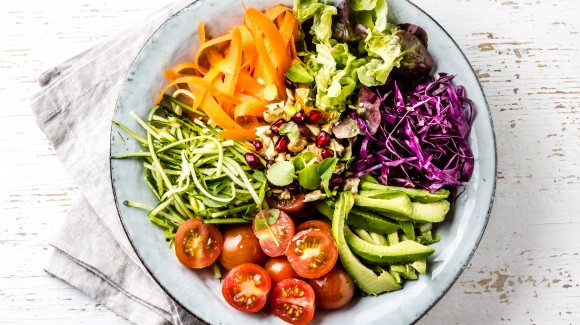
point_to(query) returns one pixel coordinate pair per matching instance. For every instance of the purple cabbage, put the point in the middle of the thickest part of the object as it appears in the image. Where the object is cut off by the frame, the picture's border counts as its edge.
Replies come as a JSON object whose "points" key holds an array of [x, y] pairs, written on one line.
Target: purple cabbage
{"points": [[422, 138]]}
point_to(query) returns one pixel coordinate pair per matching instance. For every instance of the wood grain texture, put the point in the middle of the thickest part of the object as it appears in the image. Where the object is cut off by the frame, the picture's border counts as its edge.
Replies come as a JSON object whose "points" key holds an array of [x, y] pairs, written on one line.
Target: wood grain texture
{"points": [[526, 53]]}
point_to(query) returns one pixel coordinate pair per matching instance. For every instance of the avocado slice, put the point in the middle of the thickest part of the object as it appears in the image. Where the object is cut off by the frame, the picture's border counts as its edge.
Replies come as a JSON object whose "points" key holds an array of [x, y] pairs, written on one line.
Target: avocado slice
{"points": [[359, 218], [408, 229], [396, 203], [420, 266], [325, 207], [379, 239], [368, 178], [407, 271], [365, 278], [363, 234], [393, 216], [430, 212], [404, 252], [393, 238], [419, 195], [370, 221], [396, 276], [376, 194]]}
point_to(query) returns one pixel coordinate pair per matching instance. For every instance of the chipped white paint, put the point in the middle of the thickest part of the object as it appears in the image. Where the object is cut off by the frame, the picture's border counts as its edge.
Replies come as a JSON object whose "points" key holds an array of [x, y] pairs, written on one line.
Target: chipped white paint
{"points": [[527, 55]]}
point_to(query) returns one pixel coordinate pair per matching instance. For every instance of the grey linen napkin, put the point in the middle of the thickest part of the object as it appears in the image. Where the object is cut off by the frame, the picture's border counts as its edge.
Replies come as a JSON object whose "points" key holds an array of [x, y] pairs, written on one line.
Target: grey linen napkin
{"points": [[91, 251]]}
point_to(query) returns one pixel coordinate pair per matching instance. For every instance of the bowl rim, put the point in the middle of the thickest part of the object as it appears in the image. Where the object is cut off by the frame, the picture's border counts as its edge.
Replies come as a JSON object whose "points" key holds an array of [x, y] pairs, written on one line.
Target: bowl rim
{"points": [[463, 265]]}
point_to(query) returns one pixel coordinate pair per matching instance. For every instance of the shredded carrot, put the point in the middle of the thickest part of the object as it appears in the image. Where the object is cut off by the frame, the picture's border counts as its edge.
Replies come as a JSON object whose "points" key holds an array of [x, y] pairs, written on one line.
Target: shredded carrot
{"points": [[217, 114], [289, 28], [239, 135], [248, 108], [210, 76], [269, 72], [250, 55], [201, 32], [293, 53], [229, 73], [249, 85], [276, 11], [213, 56], [234, 61], [171, 74], [183, 67], [199, 82], [245, 97], [209, 44], [275, 40]]}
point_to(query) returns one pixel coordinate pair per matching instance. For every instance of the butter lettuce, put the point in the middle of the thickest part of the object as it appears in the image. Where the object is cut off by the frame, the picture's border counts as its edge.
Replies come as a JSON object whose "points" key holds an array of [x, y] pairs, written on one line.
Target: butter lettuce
{"points": [[358, 5], [335, 75], [345, 48], [374, 73], [322, 26], [306, 9], [381, 11], [384, 54], [297, 73]]}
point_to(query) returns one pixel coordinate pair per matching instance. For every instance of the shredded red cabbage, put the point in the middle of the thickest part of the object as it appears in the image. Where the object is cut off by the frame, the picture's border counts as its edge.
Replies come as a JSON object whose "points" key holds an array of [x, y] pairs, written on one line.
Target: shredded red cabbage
{"points": [[422, 137]]}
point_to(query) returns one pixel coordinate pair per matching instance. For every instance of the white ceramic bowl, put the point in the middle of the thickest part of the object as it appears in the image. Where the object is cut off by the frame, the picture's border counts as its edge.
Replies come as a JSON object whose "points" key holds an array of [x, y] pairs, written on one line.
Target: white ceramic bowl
{"points": [[198, 291]]}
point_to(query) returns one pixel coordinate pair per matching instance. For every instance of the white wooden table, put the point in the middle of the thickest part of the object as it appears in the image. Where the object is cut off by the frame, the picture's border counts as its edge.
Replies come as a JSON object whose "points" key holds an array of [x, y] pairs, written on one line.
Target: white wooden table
{"points": [[527, 55]]}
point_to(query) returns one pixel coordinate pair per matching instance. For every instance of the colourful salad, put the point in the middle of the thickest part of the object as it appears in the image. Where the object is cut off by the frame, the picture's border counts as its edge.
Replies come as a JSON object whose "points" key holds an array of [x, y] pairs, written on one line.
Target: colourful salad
{"points": [[308, 153]]}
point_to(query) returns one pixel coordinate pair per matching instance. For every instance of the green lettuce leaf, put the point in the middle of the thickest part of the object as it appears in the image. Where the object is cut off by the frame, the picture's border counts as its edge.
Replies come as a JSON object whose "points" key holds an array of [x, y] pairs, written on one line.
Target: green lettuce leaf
{"points": [[384, 46], [335, 76], [385, 53], [297, 73], [381, 11], [374, 73], [359, 5], [306, 9], [334, 70], [322, 26]]}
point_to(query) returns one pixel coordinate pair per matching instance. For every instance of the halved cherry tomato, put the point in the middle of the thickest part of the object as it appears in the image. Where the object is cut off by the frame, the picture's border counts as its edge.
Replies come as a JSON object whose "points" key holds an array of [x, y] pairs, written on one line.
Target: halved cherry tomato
{"points": [[293, 301], [279, 269], [314, 224], [282, 228], [296, 203], [246, 287], [333, 290], [312, 253], [197, 245], [240, 246]]}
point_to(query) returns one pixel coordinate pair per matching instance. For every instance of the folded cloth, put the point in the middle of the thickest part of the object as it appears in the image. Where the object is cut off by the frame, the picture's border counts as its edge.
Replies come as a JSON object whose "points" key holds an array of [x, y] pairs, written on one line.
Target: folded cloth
{"points": [[74, 108], [89, 258]]}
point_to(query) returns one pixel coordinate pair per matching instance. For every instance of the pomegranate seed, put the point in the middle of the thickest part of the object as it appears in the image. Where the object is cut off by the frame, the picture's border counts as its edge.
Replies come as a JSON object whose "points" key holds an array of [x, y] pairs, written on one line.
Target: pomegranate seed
{"points": [[314, 117], [294, 188], [323, 139], [277, 125], [282, 144], [258, 145], [252, 160], [303, 130], [327, 153], [289, 84], [269, 163], [335, 181], [299, 117]]}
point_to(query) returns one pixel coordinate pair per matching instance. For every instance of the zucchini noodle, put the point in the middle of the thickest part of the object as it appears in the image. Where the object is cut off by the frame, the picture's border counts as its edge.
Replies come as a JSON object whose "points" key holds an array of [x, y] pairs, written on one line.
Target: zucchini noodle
{"points": [[192, 170]]}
